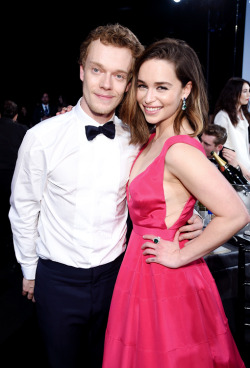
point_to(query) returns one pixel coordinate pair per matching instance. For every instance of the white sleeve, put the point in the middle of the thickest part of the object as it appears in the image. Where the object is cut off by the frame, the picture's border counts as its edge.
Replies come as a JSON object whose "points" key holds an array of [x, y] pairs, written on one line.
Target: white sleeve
{"points": [[223, 120], [27, 188]]}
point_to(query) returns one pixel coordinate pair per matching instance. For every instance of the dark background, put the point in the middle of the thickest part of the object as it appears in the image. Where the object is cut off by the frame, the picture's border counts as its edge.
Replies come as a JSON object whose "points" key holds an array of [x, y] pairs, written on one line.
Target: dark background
{"points": [[40, 42], [39, 50]]}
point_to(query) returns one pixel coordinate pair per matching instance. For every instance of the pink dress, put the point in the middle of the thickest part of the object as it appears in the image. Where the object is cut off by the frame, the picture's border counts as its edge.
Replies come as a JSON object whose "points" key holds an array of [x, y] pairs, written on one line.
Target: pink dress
{"points": [[162, 317]]}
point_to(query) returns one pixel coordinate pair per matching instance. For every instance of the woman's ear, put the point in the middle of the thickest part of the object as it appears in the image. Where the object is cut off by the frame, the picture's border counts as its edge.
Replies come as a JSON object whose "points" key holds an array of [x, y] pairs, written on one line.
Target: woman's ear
{"points": [[128, 86], [187, 89]]}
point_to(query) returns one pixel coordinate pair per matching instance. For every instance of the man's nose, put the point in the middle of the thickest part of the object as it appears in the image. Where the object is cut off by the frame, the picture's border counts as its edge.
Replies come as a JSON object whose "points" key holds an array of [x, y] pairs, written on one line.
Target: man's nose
{"points": [[106, 81]]}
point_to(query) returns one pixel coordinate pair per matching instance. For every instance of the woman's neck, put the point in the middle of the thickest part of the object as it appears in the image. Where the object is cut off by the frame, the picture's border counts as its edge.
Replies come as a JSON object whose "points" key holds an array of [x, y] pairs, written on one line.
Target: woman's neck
{"points": [[240, 113], [163, 131]]}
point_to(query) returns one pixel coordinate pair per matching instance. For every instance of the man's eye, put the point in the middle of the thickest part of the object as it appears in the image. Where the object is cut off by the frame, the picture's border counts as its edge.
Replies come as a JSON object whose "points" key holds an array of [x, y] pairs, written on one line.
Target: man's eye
{"points": [[95, 70]]}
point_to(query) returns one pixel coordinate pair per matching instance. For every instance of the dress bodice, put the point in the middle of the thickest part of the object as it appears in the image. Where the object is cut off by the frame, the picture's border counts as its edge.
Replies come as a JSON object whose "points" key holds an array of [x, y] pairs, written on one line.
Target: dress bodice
{"points": [[145, 194]]}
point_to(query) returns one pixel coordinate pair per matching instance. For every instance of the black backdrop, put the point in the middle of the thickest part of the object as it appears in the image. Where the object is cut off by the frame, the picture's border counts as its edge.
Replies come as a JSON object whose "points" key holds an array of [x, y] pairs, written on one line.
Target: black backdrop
{"points": [[40, 42]]}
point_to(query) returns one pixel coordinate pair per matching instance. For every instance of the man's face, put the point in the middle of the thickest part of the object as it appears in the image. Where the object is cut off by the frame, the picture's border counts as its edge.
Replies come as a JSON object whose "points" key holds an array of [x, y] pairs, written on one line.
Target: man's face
{"points": [[105, 77], [208, 143], [45, 99]]}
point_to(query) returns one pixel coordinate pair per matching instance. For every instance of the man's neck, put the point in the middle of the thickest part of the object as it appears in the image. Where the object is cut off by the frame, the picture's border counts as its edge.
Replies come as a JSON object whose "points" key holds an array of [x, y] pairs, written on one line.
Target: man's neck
{"points": [[99, 118]]}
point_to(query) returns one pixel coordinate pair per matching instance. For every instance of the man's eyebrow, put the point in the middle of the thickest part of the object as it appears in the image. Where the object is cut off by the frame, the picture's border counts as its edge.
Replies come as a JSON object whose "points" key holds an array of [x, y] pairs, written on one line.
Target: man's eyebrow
{"points": [[95, 63]]}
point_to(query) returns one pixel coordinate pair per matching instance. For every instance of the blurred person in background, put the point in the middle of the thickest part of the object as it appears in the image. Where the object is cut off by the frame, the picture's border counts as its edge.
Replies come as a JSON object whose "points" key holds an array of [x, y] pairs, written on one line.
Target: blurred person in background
{"points": [[11, 136], [44, 109], [213, 138], [231, 112]]}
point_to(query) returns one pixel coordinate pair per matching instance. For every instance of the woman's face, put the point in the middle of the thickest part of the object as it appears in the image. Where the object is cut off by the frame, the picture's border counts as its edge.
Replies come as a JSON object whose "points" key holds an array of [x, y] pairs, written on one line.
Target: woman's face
{"points": [[159, 91], [245, 94]]}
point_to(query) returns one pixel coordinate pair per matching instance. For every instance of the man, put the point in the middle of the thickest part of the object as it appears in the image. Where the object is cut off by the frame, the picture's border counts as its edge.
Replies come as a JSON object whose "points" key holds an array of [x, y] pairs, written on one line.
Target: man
{"points": [[11, 136], [69, 207], [213, 139], [44, 109]]}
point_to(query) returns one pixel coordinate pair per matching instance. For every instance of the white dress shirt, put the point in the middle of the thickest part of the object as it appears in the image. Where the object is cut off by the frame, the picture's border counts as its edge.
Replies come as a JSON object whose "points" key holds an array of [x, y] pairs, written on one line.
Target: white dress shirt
{"points": [[237, 137], [45, 107], [68, 201]]}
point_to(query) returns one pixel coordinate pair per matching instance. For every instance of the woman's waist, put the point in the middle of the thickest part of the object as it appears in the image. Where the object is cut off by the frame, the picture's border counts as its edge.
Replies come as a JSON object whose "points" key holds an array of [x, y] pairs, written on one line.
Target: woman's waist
{"points": [[166, 234], [146, 230]]}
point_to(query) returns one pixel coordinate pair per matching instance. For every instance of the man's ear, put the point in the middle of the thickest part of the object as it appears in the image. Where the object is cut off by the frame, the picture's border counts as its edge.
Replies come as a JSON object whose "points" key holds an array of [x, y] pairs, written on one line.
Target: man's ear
{"points": [[219, 147], [81, 73]]}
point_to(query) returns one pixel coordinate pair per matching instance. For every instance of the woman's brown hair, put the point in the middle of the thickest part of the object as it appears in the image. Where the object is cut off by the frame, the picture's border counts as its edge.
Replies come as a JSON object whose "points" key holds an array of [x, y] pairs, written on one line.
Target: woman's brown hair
{"points": [[229, 99], [187, 68]]}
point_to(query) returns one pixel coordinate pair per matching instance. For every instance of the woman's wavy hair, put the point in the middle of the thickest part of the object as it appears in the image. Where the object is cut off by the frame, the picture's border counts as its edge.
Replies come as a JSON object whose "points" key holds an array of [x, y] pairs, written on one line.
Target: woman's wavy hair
{"points": [[229, 99], [187, 68]]}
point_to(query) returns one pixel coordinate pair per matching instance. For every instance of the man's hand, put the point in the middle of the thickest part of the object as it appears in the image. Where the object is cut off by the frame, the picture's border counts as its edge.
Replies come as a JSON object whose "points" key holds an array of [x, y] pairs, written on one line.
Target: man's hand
{"points": [[230, 156], [193, 229], [65, 109], [28, 288]]}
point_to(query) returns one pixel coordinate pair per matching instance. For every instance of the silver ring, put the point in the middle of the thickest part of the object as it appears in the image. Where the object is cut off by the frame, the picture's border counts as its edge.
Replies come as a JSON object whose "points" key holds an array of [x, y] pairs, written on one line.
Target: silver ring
{"points": [[157, 240]]}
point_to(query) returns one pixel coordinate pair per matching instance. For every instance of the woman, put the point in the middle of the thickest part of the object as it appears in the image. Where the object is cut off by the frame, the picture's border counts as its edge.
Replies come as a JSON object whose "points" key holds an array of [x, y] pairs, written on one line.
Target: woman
{"points": [[231, 112], [166, 310]]}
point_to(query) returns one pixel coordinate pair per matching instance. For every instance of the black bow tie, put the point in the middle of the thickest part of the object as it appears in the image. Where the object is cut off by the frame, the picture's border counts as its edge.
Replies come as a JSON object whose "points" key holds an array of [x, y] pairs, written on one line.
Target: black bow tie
{"points": [[107, 129]]}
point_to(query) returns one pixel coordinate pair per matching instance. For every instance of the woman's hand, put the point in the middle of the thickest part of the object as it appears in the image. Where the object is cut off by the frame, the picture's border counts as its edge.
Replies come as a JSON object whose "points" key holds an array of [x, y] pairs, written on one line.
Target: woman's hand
{"points": [[65, 109], [164, 252]]}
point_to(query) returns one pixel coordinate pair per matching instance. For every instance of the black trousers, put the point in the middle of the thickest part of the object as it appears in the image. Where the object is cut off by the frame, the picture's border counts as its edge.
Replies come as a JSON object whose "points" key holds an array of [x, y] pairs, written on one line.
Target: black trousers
{"points": [[72, 308]]}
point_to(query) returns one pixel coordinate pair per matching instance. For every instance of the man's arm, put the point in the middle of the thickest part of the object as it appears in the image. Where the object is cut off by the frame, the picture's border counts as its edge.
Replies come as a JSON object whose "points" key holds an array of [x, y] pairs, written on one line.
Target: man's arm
{"points": [[28, 289], [27, 187], [192, 229]]}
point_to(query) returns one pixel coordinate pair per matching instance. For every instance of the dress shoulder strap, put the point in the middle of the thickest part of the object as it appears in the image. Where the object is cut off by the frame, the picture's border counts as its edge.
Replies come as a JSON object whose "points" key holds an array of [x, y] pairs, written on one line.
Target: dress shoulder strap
{"points": [[182, 139], [142, 148]]}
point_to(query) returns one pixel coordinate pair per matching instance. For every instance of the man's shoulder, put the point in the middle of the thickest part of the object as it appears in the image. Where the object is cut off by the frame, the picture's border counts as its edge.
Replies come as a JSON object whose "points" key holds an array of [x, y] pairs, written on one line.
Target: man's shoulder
{"points": [[123, 131], [49, 132], [21, 127], [12, 125], [123, 128], [54, 123]]}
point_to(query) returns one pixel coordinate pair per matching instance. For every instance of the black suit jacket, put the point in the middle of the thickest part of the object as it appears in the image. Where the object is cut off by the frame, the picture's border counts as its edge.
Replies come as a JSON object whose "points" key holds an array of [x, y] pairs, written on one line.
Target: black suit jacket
{"points": [[38, 114], [11, 136]]}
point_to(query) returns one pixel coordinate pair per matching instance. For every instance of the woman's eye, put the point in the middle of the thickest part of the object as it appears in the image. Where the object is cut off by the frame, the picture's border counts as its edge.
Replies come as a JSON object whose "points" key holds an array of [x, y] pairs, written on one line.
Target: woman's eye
{"points": [[141, 86], [163, 88]]}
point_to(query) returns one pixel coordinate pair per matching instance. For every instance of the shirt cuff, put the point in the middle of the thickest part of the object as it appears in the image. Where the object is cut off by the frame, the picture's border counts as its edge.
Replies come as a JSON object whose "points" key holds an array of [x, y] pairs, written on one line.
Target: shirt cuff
{"points": [[29, 272]]}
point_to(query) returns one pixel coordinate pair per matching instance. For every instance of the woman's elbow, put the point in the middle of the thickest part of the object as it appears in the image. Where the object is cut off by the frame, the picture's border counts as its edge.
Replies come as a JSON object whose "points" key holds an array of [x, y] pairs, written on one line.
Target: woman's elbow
{"points": [[244, 219]]}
